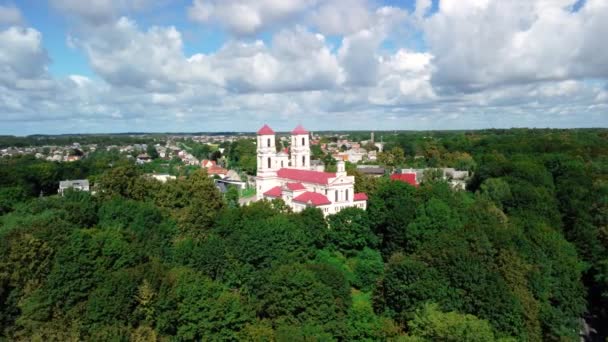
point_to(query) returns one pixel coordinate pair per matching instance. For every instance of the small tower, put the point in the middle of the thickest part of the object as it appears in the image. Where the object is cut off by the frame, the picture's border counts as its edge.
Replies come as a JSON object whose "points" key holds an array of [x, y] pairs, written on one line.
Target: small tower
{"points": [[266, 160], [340, 169], [266, 148], [300, 148]]}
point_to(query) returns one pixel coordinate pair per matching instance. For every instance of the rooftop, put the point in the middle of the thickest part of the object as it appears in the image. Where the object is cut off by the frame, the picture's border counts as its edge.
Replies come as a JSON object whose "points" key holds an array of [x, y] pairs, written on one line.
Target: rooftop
{"points": [[299, 130], [265, 130], [306, 176], [313, 198]]}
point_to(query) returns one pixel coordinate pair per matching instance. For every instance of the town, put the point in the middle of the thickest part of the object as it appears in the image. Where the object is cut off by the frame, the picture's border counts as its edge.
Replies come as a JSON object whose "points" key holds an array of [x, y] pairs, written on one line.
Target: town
{"points": [[227, 159]]}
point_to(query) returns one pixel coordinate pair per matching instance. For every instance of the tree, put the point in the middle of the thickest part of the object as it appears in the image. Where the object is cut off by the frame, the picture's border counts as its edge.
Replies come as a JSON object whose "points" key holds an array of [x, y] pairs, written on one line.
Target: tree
{"points": [[349, 231], [390, 210], [430, 324], [152, 152], [208, 311], [232, 197], [294, 295]]}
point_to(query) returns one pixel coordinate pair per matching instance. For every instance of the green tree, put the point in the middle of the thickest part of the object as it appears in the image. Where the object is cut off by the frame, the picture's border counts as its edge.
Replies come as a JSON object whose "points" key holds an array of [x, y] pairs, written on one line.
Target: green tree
{"points": [[349, 231], [431, 324]]}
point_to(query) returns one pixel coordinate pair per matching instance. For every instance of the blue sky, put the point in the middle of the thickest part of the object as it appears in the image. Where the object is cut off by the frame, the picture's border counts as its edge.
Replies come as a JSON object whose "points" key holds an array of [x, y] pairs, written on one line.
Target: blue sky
{"points": [[70, 66]]}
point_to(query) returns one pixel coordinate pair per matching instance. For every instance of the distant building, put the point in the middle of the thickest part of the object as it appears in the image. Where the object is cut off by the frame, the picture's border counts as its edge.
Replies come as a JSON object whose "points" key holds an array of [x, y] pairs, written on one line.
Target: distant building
{"points": [[143, 158], [77, 184], [371, 170], [296, 181], [163, 178], [409, 178], [206, 163]]}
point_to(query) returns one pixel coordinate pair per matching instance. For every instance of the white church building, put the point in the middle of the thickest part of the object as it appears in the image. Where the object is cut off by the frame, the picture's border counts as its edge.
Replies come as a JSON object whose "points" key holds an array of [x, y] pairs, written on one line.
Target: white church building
{"points": [[292, 178]]}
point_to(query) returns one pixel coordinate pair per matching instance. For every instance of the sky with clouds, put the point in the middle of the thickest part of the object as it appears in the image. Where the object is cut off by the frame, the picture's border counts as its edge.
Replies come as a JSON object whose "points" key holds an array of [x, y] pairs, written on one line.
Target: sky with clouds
{"points": [[74, 66]]}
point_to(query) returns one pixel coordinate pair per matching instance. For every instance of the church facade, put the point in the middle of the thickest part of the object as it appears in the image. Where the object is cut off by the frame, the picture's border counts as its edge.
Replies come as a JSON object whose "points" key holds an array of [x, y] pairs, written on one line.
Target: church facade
{"points": [[291, 177]]}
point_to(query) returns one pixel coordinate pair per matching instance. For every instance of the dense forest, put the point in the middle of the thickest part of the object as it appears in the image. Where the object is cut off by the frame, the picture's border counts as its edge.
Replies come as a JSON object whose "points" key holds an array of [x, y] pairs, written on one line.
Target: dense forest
{"points": [[522, 255]]}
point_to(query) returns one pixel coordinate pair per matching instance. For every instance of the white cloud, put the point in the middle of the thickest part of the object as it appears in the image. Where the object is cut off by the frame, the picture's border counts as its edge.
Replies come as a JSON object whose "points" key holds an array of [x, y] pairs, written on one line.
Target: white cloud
{"points": [[10, 15], [483, 43], [246, 17], [99, 12], [490, 64], [342, 17], [22, 56]]}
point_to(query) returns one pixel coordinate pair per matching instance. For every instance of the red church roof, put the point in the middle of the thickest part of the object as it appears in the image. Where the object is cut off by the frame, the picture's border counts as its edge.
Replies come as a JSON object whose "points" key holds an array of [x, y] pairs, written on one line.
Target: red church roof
{"points": [[313, 198], [405, 177], [265, 130], [306, 176], [299, 130], [295, 186], [274, 192], [360, 196]]}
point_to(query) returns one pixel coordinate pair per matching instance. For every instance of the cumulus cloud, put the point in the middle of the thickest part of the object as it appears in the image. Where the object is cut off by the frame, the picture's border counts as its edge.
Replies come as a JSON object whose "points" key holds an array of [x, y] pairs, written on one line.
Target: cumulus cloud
{"points": [[23, 59], [10, 15], [342, 17], [479, 44], [98, 12], [246, 17], [326, 64]]}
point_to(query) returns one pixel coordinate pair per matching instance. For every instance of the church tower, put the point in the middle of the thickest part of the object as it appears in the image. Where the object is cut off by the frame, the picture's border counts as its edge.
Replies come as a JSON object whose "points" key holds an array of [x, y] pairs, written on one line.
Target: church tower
{"points": [[266, 155], [300, 149]]}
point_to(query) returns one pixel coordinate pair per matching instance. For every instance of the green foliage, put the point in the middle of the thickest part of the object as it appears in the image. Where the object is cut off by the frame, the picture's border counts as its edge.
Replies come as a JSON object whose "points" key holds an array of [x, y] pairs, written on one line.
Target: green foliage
{"points": [[349, 231], [431, 324], [519, 256], [367, 267]]}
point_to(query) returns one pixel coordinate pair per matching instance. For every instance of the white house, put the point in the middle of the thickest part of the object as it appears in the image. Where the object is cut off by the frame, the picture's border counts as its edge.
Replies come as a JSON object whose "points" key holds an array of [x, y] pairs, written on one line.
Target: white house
{"points": [[300, 185], [78, 184]]}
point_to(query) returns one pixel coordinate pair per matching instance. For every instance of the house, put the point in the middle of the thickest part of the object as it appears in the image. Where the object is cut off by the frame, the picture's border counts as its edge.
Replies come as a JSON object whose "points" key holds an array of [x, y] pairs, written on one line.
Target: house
{"points": [[217, 170], [77, 184], [207, 163], [371, 170], [143, 158], [292, 178], [163, 178], [409, 178]]}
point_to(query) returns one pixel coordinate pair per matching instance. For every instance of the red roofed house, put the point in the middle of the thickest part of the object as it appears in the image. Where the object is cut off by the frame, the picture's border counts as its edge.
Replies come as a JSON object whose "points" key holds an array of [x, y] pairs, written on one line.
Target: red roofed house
{"points": [[409, 178], [207, 163], [292, 178]]}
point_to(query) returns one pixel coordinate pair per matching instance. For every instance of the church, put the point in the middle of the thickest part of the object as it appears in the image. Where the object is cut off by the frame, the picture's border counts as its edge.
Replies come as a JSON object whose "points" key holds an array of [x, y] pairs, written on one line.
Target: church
{"points": [[291, 177]]}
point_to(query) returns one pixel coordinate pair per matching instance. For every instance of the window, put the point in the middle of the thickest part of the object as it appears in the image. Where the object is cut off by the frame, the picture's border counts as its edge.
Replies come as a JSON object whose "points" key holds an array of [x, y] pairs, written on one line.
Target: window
{"points": [[346, 194], [268, 142], [303, 143], [303, 160], [269, 164], [336, 196], [281, 163]]}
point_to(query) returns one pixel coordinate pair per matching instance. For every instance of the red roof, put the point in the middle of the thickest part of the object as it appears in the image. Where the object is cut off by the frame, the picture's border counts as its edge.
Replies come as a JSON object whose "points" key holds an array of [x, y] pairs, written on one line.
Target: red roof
{"points": [[265, 130], [306, 176], [295, 186], [206, 162], [405, 177], [299, 130], [313, 198], [274, 192], [216, 170], [360, 196]]}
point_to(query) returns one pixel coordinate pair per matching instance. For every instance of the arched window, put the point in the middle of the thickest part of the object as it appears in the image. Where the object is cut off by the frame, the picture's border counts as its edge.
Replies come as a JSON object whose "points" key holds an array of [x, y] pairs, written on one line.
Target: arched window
{"points": [[303, 143], [303, 160], [268, 142], [269, 166]]}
